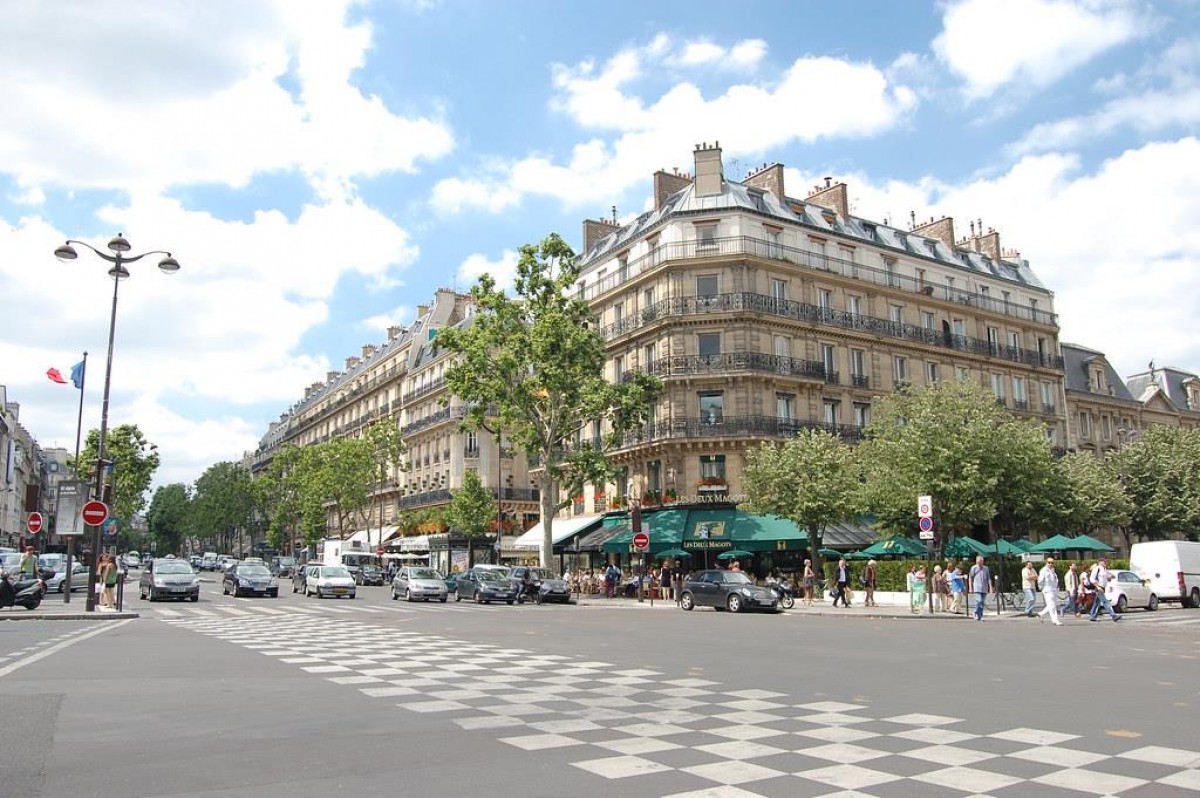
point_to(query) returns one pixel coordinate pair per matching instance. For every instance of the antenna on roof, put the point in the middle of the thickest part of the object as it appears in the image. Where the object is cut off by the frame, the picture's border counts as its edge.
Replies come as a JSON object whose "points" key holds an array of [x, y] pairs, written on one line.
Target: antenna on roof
{"points": [[614, 213]]}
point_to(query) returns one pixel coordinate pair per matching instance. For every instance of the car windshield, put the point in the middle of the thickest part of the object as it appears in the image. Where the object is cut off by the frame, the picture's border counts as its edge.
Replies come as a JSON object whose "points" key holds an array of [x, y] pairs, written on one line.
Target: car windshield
{"points": [[334, 571], [542, 573], [287, 561], [425, 573], [172, 568], [489, 576], [253, 570], [735, 578]]}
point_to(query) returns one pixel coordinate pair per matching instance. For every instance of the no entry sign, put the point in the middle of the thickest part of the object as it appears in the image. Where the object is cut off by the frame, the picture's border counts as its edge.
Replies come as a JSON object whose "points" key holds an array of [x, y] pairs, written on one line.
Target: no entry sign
{"points": [[34, 523], [640, 541], [95, 512]]}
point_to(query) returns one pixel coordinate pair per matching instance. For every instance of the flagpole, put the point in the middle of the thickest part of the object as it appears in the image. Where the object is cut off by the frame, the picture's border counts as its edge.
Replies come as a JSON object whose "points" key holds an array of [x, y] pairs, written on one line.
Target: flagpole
{"points": [[78, 436]]}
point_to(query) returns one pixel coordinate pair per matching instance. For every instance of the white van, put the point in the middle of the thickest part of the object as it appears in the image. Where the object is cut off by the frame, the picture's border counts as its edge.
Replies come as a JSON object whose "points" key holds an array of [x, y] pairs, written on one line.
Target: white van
{"points": [[1171, 566]]}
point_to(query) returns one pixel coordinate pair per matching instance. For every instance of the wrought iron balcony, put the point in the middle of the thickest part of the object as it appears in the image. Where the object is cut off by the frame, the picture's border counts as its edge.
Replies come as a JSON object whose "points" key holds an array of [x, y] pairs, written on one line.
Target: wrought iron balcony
{"points": [[445, 414], [1020, 404], [439, 496], [425, 390], [734, 427], [682, 365], [860, 380]]}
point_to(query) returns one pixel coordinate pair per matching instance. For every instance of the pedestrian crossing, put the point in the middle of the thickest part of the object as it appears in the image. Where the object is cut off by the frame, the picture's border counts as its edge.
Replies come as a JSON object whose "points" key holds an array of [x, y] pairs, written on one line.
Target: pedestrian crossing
{"points": [[250, 608]]}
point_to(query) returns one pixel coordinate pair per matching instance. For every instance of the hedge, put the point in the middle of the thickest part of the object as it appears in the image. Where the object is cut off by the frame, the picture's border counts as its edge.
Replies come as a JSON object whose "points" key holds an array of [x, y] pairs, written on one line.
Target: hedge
{"points": [[891, 575]]}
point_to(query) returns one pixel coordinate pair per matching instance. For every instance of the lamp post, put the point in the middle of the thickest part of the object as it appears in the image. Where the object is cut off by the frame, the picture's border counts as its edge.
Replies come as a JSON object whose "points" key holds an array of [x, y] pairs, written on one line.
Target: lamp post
{"points": [[168, 265]]}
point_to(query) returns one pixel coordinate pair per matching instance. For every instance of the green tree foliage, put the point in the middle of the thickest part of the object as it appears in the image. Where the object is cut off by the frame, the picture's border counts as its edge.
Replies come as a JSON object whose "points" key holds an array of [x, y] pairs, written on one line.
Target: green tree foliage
{"points": [[279, 495], [472, 508], [223, 501], [338, 474], [811, 480], [168, 517], [533, 365], [1161, 475], [952, 441], [1095, 498], [133, 463]]}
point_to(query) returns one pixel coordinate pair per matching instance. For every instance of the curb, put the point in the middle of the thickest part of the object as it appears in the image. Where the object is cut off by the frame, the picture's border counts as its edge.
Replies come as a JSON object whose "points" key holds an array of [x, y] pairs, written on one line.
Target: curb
{"points": [[65, 616]]}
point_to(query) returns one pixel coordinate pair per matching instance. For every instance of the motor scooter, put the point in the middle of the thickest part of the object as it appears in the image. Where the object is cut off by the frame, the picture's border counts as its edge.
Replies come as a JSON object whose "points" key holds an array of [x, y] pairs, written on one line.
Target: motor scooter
{"points": [[25, 593], [529, 589], [783, 589]]}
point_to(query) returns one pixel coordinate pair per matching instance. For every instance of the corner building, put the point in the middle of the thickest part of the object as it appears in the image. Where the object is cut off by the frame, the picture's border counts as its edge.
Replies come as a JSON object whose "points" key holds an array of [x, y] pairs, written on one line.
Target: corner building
{"points": [[764, 314]]}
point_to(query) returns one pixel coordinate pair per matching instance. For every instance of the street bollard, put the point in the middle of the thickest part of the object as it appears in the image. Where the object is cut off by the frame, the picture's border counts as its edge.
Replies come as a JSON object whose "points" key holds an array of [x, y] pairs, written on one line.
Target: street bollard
{"points": [[120, 592]]}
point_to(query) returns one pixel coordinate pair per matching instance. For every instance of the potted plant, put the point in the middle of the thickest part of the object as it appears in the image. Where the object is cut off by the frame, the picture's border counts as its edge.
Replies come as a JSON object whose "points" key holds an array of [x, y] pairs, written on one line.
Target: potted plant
{"points": [[671, 496]]}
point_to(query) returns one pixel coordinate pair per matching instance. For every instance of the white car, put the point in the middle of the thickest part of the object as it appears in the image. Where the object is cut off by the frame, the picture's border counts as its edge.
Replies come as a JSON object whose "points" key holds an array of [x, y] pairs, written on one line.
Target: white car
{"points": [[1126, 589], [329, 580]]}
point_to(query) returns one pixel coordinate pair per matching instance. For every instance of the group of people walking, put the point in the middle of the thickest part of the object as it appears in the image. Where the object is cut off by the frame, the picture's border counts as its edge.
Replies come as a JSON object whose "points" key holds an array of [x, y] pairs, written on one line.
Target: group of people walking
{"points": [[1086, 590]]}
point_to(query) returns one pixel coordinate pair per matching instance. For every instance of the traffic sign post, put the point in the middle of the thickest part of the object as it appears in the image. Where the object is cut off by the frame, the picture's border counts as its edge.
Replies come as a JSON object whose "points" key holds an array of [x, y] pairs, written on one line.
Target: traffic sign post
{"points": [[641, 541], [925, 526], [33, 524]]}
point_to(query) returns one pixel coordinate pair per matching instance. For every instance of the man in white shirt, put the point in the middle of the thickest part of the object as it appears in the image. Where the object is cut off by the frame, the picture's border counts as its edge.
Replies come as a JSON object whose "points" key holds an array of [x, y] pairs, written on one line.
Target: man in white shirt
{"points": [[1048, 581], [1100, 578]]}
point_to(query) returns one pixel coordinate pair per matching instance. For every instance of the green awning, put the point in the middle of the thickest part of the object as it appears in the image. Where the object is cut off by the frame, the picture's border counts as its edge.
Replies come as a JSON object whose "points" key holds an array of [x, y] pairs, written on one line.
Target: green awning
{"points": [[610, 527], [709, 530], [665, 528], [896, 547], [1089, 543], [726, 528]]}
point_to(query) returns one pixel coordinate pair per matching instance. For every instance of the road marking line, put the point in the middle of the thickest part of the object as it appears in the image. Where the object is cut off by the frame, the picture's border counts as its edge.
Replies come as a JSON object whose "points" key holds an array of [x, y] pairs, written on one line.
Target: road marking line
{"points": [[32, 658]]}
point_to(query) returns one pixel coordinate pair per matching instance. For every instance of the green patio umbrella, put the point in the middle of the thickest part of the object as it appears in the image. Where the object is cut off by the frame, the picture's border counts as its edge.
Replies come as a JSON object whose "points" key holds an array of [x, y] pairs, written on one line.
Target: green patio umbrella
{"points": [[1089, 543], [734, 554], [965, 547], [856, 555], [1056, 543], [827, 553], [896, 547], [672, 554]]}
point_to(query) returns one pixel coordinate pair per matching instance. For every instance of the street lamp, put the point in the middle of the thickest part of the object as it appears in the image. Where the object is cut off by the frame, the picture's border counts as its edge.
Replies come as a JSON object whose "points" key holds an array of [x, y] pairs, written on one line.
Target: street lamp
{"points": [[168, 265]]}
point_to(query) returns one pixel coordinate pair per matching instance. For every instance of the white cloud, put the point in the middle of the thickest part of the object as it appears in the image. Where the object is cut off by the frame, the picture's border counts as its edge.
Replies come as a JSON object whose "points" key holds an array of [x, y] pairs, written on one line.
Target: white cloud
{"points": [[994, 43], [381, 322], [855, 100], [748, 54], [503, 271], [698, 53]]}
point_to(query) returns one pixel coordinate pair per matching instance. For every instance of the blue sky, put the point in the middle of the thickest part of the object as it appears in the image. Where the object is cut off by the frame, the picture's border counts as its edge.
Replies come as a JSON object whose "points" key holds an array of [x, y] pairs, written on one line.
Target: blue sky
{"points": [[320, 168]]}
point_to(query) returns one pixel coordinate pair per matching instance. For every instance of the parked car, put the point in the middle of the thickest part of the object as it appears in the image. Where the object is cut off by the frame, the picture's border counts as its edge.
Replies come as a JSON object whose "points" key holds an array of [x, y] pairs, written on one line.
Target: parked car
{"points": [[251, 579], [544, 584], [283, 566], [726, 590], [79, 578], [485, 585], [1126, 589], [369, 574], [329, 580], [1172, 568], [133, 560], [169, 579], [419, 582], [196, 561], [299, 576], [451, 580]]}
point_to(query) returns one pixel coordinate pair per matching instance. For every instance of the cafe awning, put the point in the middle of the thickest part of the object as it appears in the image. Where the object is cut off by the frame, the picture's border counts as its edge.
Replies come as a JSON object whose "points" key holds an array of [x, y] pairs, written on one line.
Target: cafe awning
{"points": [[595, 540], [723, 529], [665, 528], [561, 529]]}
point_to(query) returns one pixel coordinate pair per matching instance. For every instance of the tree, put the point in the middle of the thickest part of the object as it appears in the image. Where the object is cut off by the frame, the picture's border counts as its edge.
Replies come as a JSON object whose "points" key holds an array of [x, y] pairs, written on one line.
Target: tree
{"points": [[472, 507], [279, 495], [132, 463], [168, 516], [338, 474], [811, 480], [1095, 496], [387, 449], [533, 366], [1161, 475], [952, 441], [223, 500]]}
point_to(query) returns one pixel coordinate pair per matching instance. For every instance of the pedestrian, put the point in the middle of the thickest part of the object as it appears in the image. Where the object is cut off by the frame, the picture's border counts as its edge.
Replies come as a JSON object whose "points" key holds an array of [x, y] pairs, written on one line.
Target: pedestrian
{"points": [[1029, 581], [736, 567], [869, 578], [810, 583], [1100, 578], [1071, 583], [664, 581], [981, 585], [940, 595], [29, 563], [909, 578], [841, 582], [958, 588], [1048, 582], [918, 589], [105, 568]]}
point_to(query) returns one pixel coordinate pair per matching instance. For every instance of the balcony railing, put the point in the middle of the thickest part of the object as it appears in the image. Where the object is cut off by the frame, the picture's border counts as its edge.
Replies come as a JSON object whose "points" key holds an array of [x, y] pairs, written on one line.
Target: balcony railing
{"points": [[445, 414], [521, 495], [762, 304], [439, 496], [680, 365], [735, 246], [735, 427], [860, 381], [424, 390]]}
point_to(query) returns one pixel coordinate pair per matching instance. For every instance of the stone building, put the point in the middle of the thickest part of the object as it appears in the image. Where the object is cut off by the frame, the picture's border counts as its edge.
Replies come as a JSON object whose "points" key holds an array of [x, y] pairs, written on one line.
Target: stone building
{"points": [[1102, 415]]}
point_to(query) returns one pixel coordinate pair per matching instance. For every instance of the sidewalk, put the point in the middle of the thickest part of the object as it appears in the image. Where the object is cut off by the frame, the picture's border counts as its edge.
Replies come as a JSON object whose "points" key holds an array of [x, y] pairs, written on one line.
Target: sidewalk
{"points": [[52, 608]]}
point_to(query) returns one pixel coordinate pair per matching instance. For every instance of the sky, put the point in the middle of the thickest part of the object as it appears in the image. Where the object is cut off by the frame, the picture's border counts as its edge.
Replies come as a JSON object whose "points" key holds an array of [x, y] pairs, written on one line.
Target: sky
{"points": [[320, 167]]}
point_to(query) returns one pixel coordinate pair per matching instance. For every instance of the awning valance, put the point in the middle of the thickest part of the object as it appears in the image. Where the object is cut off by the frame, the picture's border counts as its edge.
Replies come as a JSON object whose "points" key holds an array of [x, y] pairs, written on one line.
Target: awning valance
{"points": [[561, 529]]}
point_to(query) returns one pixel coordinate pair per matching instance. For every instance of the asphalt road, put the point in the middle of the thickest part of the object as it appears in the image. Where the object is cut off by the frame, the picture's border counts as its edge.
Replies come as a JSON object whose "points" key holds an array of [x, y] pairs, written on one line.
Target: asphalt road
{"points": [[301, 697]]}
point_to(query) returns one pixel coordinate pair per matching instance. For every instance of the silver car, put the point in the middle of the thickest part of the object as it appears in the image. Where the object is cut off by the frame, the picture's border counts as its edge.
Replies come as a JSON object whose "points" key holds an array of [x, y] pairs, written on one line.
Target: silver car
{"points": [[418, 582], [169, 579], [58, 582]]}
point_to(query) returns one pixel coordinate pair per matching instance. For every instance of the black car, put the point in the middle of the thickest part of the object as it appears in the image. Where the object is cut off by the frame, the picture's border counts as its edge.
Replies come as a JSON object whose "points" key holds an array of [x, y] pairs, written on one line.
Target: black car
{"points": [[485, 586], [368, 574], [540, 584], [726, 590], [251, 580]]}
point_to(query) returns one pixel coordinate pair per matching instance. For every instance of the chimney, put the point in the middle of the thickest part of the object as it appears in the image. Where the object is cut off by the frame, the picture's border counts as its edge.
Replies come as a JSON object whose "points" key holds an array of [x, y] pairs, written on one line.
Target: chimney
{"points": [[330, 376], [834, 196], [351, 362], [394, 332], [769, 178], [422, 310], [941, 229], [368, 350], [596, 229], [666, 184], [710, 176], [989, 244]]}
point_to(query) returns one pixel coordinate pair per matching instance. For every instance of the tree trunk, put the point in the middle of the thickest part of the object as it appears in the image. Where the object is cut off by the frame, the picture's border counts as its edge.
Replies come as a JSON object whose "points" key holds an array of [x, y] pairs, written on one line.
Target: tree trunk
{"points": [[549, 503]]}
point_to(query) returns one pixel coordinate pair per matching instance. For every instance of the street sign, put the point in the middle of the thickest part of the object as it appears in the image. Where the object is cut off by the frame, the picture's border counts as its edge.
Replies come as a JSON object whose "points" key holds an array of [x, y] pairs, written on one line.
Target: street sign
{"points": [[380, 550], [641, 541], [71, 497], [95, 512], [925, 524], [34, 523], [925, 506]]}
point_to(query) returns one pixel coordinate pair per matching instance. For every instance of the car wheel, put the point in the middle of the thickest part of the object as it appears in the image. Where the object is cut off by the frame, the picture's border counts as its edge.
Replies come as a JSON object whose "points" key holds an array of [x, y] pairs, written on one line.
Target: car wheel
{"points": [[1152, 604], [478, 597], [274, 594], [457, 596], [443, 599], [62, 587], [509, 602], [1196, 598], [734, 603], [395, 595], [407, 594], [196, 597], [537, 599], [1122, 604], [686, 602]]}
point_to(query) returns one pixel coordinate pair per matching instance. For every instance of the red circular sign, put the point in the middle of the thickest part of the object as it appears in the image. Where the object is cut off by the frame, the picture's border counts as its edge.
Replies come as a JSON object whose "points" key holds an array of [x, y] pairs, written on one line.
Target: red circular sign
{"points": [[34, 523], [380, 550], [95, 512], [641, 540]]}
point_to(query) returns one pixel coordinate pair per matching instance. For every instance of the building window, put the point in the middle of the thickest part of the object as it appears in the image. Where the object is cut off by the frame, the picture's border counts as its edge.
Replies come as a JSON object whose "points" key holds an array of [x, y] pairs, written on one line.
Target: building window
{"points": [[785, 406], [854, 304], [1052, 436], [833, 411], [964, 374], [774, 248], [1105, 429], [993, 339], [984, 291], [1097, 381], [1048, 396], [829, 359], [1085, 426], [858, 362], [959, 327], [900, 368], [618, 367], [931, 372], [708, 344], [712, 407], [706, 285], [472, 444], [896, 314], [862, 414], [998, 387], [649, 351], [778, 289], [654, 477], [648, 298], [889, 268], [927, 320], [712, 466], [1014, 340], [706, 236], [824, 298], [817, 248], [618, 312], [1020, 398]]}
